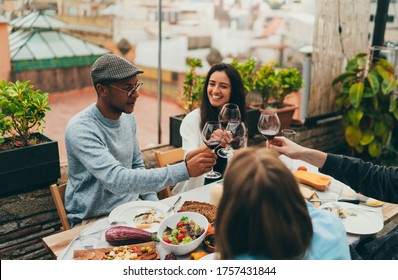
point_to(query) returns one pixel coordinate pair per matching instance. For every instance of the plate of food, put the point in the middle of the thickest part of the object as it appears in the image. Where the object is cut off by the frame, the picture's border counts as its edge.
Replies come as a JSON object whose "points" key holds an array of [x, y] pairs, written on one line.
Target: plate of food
{"points": [[146, 215], [355, 218], [142, 251]]}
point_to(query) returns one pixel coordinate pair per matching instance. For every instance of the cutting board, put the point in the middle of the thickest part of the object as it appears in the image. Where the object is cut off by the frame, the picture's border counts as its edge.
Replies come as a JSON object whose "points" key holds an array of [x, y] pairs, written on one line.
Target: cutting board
{"points": [[98, 254]]}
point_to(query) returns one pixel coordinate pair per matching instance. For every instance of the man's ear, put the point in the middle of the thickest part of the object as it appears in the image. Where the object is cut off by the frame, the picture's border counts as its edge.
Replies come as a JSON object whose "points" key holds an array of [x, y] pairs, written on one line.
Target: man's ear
{"points": [[101, 89]]}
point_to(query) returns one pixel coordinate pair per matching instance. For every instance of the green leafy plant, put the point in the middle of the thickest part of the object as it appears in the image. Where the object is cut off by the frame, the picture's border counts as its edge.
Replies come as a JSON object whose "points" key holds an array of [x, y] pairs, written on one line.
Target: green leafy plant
{"points": [[368, 106], [247, 72], [193, 85], [22, 112], [275, 84]]}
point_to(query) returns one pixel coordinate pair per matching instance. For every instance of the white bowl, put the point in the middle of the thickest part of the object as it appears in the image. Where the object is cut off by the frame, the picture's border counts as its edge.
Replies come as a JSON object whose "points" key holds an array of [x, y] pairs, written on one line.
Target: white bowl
{"points": [[171, 221]]}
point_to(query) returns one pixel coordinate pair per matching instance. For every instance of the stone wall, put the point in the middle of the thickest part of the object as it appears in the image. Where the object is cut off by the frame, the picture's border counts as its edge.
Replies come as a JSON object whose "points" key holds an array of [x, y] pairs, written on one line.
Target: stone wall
{"points": [[57, 79], [26, 218]]}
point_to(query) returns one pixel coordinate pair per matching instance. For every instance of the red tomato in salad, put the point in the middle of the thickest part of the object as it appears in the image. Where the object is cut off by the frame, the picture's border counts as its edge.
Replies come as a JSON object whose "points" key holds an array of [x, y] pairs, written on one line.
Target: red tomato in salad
{"points": [[180, 224], [180, 236], [166, 239], [183, 229]]}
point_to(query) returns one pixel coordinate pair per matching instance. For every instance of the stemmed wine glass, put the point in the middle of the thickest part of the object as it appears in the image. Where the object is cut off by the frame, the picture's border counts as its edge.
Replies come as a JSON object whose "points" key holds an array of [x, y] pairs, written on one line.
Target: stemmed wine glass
{"points": [[212, 136], [229, 113], [289, 134], [236, 135], [269, 124]]}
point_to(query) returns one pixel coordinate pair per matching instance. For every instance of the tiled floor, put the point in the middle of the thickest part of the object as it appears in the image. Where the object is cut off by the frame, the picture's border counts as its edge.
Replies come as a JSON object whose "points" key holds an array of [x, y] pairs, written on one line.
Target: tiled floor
{"points": [[65, 105]]}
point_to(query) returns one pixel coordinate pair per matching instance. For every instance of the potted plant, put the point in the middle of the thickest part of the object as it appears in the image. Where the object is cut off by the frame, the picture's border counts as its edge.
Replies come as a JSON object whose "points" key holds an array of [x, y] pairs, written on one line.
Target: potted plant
{"points": [[274, 85], [247, 71], [368, 104], [191, 96], [27, 157]]}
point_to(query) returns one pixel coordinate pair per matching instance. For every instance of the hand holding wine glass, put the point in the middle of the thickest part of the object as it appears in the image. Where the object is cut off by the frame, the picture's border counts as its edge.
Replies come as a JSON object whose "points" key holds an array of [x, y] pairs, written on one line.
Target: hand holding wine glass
{"points": [[229, 113], [269, 124], [212, 136]]}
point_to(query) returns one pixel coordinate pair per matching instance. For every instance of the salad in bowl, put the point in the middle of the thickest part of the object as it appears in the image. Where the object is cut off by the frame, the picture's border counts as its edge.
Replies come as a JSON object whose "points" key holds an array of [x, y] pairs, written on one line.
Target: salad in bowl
{"points": [[182, 232]]}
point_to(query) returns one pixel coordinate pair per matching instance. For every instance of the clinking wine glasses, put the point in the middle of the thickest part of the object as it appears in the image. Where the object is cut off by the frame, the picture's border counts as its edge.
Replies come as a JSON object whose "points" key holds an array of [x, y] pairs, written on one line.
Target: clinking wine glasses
{"points": [[229, 113], [212, 136], [269, 124], [236, 135]]}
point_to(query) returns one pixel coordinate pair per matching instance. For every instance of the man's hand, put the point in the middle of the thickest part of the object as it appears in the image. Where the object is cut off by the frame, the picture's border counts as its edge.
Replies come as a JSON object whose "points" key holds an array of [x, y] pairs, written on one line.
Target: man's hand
{"points": [[200, 161], [195, 152]]}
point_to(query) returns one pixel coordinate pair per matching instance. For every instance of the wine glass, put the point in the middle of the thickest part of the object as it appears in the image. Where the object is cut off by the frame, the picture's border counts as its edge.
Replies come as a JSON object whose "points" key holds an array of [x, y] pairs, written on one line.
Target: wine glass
{"points": [[269, 124], [228, 113], [289, 134], [236, 135], [212, 136]]}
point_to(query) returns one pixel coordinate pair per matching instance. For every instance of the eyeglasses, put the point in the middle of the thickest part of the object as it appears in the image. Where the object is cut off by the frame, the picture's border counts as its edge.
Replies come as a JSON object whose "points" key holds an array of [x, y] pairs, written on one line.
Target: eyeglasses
{"points": [[131, 91]]}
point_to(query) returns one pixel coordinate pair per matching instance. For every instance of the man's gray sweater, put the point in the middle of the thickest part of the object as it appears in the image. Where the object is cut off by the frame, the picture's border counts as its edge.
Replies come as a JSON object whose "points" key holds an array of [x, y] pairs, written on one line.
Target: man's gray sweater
{"points": [[105, 166]]}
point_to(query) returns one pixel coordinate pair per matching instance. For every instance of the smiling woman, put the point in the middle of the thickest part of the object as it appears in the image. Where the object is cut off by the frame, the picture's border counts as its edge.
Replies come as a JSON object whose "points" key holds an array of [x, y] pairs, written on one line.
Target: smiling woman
{"points": [[223, 84]]}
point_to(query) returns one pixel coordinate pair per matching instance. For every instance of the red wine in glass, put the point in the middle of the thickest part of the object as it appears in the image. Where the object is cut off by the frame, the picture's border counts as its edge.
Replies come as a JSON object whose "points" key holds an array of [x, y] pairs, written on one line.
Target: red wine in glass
{"points": [[269, 124], [236, 135], [268, 133], [236, 143], [213, 144]]}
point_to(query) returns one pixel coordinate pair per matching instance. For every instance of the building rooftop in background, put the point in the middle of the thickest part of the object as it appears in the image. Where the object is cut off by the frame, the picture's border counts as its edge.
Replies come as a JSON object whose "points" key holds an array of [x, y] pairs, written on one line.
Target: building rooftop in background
{"points": [[37, 20], [36, 44]]}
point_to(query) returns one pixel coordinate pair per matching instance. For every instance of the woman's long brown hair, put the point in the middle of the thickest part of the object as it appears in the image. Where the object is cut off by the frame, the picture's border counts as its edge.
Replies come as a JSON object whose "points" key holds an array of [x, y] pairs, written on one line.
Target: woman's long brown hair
{"points": [[262, 212]]}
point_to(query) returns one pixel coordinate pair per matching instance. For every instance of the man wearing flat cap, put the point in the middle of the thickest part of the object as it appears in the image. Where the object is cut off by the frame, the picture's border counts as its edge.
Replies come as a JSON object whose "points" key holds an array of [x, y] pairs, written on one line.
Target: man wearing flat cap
{"points": [[105, 166]]}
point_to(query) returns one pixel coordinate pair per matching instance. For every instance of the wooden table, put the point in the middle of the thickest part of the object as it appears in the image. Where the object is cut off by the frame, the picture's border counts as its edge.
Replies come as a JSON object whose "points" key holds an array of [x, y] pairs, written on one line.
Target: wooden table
{"points": [[56, 243], [390, 212]]}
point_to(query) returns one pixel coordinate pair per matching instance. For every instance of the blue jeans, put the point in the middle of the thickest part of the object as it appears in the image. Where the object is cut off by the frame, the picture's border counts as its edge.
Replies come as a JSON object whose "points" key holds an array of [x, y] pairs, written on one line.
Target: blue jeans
{"points": [[382, 248]]}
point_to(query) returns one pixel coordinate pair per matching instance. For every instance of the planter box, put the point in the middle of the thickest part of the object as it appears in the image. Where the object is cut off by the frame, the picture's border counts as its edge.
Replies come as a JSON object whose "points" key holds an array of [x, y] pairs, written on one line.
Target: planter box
{"points": [[253, 114], [175, 137], [29, 167]]}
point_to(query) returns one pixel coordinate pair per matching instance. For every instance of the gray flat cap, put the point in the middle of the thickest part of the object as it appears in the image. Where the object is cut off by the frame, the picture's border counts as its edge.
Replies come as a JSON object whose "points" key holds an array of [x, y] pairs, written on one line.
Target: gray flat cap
{"points": [[110, 68]]}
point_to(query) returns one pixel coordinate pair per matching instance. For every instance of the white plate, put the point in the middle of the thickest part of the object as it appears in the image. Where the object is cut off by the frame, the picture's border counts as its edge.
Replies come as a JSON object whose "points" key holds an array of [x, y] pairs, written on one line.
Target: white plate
{"points": [[126, 212], [212, 256], [365, 222]]}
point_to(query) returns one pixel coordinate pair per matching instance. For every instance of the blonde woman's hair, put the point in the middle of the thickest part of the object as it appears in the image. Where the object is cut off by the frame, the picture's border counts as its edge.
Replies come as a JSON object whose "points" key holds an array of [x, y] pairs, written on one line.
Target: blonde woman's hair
{"points": [[262, 212]]}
